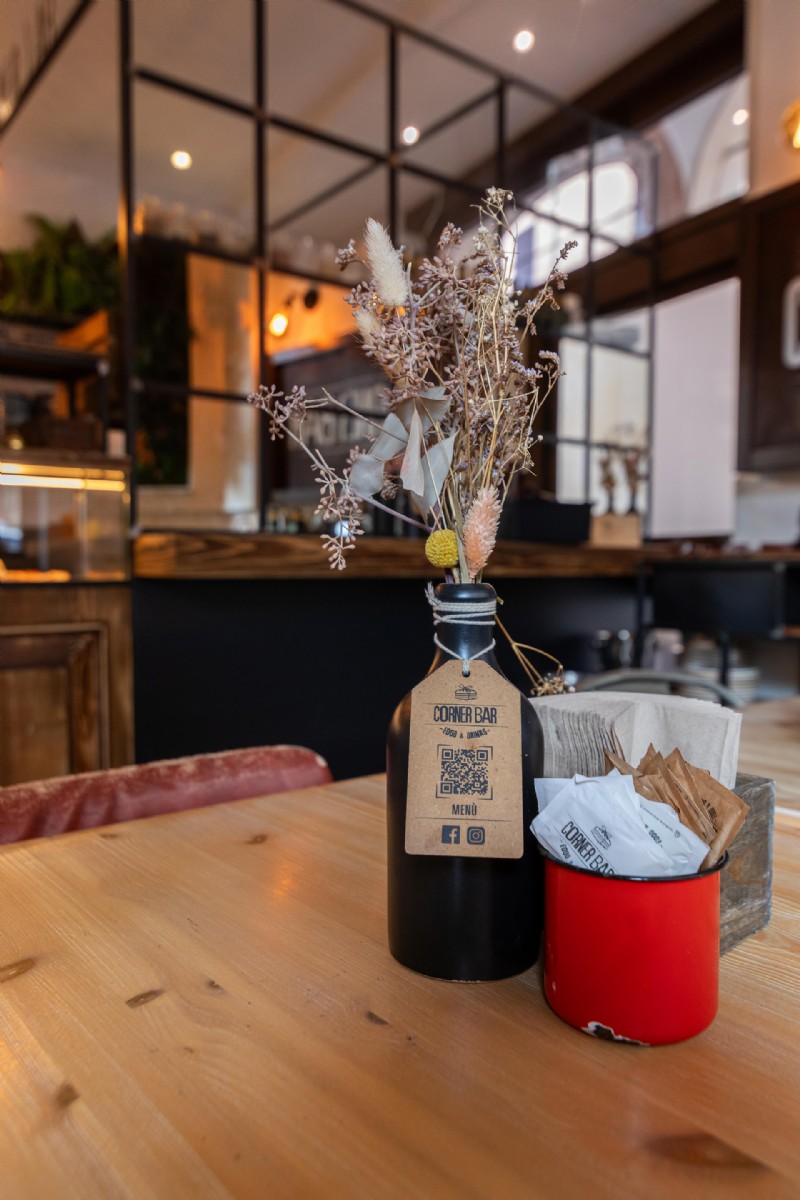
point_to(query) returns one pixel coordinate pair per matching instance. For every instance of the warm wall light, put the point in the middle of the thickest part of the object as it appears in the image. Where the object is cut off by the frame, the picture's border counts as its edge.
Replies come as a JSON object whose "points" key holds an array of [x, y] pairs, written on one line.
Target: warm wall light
{"points": [[410, 135], [791, 124], [740, 116], [181, 160], [523, 41], [278, 323]]}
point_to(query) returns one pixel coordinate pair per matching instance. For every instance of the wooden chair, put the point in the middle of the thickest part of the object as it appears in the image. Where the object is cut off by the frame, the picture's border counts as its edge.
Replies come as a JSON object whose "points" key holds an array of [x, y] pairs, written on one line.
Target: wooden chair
{"points": [[52, 806]]}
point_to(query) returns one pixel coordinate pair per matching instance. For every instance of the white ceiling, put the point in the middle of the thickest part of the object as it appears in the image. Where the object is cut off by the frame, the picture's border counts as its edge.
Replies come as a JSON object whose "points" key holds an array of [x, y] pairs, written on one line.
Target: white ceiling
{"points": [[326, 68]]}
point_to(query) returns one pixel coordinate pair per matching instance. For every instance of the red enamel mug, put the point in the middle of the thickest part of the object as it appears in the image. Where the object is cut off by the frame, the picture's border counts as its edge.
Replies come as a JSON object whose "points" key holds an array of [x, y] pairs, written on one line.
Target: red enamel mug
{"points": [[632, 959]]}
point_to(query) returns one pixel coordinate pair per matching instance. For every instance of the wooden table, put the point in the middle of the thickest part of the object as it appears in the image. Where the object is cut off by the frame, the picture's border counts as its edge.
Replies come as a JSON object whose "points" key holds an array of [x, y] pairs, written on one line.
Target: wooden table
{"points": [[770, 746], [203, 1005]]}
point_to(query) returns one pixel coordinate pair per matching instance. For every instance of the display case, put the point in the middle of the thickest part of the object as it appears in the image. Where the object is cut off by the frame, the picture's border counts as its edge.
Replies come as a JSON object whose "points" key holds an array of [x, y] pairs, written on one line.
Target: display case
{"points": [[63, 517]]}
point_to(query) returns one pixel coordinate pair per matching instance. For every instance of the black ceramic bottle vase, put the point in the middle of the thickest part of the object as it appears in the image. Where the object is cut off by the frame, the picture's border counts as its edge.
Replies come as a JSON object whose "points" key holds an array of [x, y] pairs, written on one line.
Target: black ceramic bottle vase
{"points": [[452, 917]]}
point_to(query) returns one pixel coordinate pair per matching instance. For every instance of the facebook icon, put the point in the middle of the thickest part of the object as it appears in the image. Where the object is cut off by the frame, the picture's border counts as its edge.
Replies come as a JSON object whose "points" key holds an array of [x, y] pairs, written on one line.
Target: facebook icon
{"points": [[451, 834]]}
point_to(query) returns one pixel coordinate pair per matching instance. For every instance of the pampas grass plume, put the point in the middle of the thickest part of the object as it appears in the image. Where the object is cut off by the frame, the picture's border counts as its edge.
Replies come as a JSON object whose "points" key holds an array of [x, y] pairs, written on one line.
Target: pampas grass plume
{"points": [[480, 530], [368, 326], [388, 274]]}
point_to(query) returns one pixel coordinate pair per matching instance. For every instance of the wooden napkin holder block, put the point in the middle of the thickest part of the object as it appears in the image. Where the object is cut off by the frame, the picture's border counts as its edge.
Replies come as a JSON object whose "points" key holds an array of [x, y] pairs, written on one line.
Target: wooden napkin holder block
{"points": [[746, 882]]}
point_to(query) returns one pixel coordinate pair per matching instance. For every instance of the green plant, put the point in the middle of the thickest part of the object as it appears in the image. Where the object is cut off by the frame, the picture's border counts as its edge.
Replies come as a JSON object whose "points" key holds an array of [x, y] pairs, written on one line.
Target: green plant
{"points": [[61, 275]]}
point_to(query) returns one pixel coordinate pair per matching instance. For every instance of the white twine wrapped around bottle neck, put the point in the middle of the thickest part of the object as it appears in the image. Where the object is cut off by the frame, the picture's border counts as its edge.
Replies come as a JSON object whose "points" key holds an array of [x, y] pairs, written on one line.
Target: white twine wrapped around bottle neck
{"points": [[456, 612]]}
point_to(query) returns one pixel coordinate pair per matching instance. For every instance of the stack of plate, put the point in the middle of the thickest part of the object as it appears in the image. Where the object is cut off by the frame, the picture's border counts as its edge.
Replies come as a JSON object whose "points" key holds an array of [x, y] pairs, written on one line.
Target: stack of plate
{"points": [[741, 680], [703, 659]]}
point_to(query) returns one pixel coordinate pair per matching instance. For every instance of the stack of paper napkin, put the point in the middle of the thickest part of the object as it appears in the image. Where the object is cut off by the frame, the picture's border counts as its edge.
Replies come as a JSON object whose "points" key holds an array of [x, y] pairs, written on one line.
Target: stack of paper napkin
{"points": [[580, 727]]}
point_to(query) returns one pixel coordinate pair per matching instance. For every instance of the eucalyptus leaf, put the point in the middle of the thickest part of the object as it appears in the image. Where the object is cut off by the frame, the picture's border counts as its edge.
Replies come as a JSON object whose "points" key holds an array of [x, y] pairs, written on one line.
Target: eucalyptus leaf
{"points": [[412, 472], [390, 441], [435, 466], [366, 476], [429, 408]]}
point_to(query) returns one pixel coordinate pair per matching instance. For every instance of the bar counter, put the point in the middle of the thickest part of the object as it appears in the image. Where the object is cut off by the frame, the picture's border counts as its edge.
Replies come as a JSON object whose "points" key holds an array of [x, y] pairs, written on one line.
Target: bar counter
{"points": [[202, 555], [171, 555]]}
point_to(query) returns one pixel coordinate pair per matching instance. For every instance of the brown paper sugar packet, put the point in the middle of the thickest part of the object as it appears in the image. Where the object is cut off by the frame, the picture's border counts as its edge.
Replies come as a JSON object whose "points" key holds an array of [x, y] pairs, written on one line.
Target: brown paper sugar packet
{"points": [[680, 769], [727, 811], [651, 773], [651, 761], [689, 795], [691, 812], [617, 762], [651, 787], [644, 786]]}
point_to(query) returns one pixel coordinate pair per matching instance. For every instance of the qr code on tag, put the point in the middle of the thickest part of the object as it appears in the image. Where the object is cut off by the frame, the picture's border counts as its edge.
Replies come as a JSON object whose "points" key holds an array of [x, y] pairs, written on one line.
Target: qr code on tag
{"points": [[464, 772]]}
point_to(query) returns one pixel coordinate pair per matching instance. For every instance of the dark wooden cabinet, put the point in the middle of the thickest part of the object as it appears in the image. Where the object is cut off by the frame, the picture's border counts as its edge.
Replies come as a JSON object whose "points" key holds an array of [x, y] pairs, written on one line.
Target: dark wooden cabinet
{"points": [[66, 679]]}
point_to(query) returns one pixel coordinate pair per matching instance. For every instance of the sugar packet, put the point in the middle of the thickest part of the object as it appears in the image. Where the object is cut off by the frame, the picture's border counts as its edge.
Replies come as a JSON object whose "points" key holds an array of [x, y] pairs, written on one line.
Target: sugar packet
{"points": [[600, 824]]}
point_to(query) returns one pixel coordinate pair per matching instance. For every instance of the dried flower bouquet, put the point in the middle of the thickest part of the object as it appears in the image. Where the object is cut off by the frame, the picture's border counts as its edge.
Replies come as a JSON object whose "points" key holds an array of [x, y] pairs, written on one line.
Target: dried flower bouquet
{"points": [[461, 401]]}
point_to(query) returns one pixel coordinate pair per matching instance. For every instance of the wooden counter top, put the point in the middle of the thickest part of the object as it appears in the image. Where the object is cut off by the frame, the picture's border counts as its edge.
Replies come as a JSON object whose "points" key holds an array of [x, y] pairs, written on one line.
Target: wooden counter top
{"points": [[300, 556], [204, 1005], [181, 555]]}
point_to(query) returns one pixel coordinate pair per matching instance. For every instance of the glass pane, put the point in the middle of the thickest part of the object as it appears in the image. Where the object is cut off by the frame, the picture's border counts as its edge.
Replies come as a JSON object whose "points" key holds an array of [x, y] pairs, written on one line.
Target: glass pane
{"points": [[462, 148], [605, 482], [524, 110], [326, 68], [223, 318], [214, 52], [211, 201], [218, 442], [572, 414], [163, 332], [347, 375], [626, 331], [618, 480], [703, 151], [434, 86], [60, 160], [424, 208], [318, 198], [316, 316], [162, 439], [619, 399], [540, 241], [571, 473]]}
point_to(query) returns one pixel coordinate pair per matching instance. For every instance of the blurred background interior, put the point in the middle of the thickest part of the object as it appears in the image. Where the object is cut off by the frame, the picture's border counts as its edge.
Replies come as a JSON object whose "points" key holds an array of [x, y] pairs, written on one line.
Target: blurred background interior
{"points": [[177, 176]]}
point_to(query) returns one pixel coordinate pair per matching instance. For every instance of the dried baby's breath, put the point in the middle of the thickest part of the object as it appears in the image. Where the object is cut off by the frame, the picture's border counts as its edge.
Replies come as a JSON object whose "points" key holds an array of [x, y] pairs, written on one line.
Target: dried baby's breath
{"points": [[462, 400]]}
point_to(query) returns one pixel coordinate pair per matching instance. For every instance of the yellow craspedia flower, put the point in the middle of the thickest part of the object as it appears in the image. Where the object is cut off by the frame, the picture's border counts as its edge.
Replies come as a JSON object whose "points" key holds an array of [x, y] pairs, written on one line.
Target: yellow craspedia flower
{"points": [[441, 548]]}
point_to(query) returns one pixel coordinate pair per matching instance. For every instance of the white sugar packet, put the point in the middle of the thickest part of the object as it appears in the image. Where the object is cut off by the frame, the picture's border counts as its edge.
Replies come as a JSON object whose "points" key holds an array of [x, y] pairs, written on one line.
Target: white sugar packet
{"points": [[548, 789], [601, 824], [684, 847]]}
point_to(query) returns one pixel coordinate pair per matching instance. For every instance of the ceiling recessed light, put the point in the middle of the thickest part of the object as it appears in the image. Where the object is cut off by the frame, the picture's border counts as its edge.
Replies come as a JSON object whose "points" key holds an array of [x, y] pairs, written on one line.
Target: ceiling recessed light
{"points": [[740, 116], [181, 160], [523, 41], [410, 135]]}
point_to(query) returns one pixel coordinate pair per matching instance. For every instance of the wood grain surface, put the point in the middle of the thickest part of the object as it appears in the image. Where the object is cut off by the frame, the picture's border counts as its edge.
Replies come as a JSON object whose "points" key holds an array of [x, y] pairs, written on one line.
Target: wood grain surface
{"points": [[300, 556], [770, 746], [203, 1005], [173, 555]]}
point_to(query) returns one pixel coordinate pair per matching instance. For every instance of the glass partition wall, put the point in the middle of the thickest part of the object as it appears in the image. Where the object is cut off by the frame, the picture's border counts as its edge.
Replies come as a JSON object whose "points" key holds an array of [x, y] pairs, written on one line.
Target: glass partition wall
{"points": [[255, 142]]}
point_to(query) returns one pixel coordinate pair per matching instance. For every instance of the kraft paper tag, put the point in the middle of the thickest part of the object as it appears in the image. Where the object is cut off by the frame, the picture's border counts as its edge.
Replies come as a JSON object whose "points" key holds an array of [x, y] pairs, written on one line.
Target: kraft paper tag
{"points": [[465, 765]]}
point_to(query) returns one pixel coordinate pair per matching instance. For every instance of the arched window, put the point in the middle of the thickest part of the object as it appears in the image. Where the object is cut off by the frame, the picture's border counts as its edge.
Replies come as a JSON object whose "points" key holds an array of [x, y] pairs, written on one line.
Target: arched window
{"points": [[599, 218]]}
